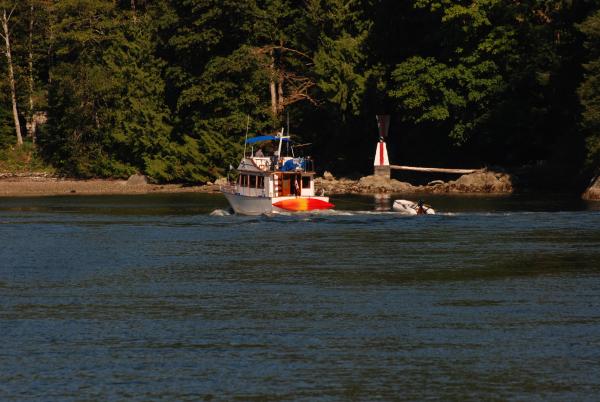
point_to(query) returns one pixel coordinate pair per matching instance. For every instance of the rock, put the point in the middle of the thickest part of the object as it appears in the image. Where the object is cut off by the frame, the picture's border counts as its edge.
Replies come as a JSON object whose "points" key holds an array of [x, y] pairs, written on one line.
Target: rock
{"points": [[137, 180], [482, 182], [221, 181], [593, 191], [381, 184], [328, 176]]}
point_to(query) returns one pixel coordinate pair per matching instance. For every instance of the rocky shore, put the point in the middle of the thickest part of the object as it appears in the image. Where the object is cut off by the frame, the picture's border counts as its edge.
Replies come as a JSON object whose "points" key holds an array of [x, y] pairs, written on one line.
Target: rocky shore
{"points": [[480, 182], [593, 191]]}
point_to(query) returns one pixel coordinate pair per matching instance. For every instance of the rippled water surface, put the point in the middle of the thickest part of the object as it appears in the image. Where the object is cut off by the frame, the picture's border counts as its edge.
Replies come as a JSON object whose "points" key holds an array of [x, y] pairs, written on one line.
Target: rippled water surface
{"points": [[154, 298]]}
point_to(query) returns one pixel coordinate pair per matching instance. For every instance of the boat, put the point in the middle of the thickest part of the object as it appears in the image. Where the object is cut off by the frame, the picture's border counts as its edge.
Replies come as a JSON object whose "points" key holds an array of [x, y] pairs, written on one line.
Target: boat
{"points": [[412, 208], [269, 182]]}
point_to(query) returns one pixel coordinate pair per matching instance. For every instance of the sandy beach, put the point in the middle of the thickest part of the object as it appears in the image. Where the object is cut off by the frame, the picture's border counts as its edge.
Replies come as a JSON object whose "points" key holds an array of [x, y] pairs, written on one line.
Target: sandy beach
{"points": [[37, 186]]}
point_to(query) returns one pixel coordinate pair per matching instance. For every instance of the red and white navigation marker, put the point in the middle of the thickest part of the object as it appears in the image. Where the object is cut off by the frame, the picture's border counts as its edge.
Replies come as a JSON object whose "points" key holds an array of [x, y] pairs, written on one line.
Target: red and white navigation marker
{"points": [[382, 162]]}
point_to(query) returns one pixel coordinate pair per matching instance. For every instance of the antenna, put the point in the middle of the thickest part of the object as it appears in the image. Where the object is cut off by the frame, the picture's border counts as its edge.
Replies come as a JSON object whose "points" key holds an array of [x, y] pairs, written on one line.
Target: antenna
{"points": [[246, 140], [280, 142], [289, 135]]}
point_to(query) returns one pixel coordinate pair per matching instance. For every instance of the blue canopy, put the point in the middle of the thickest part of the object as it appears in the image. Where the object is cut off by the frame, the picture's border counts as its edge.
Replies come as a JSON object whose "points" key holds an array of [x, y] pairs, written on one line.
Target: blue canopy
{"points": [[292, 164], [264, 138]]}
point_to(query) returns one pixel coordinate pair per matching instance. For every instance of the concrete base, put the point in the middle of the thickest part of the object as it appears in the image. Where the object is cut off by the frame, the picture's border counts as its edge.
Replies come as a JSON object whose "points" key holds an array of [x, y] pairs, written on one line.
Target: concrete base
{"points": [[383, 171]]}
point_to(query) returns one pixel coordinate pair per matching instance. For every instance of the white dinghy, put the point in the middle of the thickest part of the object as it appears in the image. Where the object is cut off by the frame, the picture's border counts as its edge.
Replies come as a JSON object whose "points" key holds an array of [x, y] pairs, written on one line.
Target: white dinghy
{"points": [[412, 208]]}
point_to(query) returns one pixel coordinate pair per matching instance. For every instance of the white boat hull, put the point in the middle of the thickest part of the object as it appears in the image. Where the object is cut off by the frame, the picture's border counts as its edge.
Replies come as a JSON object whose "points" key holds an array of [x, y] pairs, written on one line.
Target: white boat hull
{"points": [[246, 205], [410, 208]]}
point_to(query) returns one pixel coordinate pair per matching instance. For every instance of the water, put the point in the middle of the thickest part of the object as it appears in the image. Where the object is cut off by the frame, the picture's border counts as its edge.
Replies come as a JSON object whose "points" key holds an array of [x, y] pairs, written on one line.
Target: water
{"points": [[152, 298]]}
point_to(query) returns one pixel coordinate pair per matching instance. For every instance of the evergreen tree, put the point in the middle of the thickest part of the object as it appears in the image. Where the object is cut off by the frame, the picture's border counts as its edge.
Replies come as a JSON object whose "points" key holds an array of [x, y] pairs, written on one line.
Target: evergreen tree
{"points": [[166, 88], [107, 111]]}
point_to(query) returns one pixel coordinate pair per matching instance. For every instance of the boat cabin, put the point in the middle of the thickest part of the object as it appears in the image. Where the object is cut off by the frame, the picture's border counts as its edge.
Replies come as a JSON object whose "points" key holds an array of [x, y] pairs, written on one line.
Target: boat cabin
{"points": [[266, 174]]}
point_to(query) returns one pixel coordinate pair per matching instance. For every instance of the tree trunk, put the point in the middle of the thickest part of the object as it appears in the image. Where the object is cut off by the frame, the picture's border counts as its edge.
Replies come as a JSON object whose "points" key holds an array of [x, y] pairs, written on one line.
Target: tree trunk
{"points": [[11, 76], [133, 10], [280, 96], [280, 78], [272, 87], [50, 48], [31, 127]]}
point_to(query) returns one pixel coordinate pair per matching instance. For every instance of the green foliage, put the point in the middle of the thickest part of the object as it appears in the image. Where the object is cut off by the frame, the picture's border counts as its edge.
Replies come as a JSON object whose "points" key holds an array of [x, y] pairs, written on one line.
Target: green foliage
{"points": [[337, 64], [459, 86], [170, 91], [341, 59], [108, 116], [24, 159], [430, 91], [7, 129]]}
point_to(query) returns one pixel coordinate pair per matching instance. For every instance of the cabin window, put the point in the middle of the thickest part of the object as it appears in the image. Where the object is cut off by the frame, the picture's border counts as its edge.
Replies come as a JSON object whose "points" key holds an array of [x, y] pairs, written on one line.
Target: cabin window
{"points": [[252, 181], [261, 182], [306, 182]]}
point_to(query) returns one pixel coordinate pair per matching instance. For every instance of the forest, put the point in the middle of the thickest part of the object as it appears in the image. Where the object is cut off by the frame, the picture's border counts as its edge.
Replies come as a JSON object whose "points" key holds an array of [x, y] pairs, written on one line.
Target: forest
{"points": [[168, 88]]}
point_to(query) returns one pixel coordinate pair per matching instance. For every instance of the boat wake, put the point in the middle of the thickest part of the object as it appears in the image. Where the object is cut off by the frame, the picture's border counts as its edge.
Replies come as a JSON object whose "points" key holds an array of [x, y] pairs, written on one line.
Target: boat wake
{"points": [[327, 213], [335, 212], [221, 212]]}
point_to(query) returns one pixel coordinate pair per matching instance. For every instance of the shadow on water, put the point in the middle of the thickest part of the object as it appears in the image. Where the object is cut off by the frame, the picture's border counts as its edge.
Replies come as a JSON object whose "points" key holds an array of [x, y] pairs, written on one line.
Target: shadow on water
{"points": [[147, 204], [200, 203], [543, 202]]}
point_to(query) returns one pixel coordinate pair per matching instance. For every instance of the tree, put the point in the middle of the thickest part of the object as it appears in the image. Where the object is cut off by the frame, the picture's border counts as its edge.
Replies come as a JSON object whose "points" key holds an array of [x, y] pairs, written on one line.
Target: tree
{"points": [[107, 111], [341, 62], [220, 74], [277, 42], [498, 78], [454, 87], [7, 10]]}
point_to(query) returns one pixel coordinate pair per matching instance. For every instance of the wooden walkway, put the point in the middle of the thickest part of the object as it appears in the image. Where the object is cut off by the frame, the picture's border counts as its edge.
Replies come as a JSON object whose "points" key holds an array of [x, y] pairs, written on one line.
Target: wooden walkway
{"points": [[433, 170]]}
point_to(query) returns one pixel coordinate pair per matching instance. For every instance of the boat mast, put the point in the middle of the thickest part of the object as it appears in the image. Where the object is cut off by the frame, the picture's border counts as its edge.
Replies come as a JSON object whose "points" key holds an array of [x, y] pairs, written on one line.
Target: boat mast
{"points": [[288, 134], [280, 143]]}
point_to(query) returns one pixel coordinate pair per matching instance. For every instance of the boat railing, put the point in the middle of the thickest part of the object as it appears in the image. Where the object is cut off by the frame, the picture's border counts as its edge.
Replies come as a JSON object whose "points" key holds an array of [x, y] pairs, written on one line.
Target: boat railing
{"points": [[234, 189], [309, 164], [272, 163], [227, 188], [262, 162]]}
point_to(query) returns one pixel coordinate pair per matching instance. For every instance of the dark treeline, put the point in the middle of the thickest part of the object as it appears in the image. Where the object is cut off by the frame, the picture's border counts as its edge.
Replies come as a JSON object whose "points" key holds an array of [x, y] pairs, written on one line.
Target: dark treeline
{"points": [[167, 87]]}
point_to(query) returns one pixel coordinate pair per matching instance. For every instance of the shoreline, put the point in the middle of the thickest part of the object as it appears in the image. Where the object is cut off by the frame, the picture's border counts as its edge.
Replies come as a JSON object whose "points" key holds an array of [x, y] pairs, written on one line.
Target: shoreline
{"points": [[483, 183], [42, 186], [45, 184]]}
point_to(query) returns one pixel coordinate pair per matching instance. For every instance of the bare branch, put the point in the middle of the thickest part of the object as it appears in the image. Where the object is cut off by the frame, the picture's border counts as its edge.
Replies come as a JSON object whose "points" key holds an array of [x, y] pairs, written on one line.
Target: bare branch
{"points": [[269, 48], [11, 12]]}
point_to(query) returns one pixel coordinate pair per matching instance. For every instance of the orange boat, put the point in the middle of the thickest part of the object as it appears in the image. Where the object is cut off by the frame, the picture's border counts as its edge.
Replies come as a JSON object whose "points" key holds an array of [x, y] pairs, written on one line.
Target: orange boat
{"points": [[303, 204]]}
